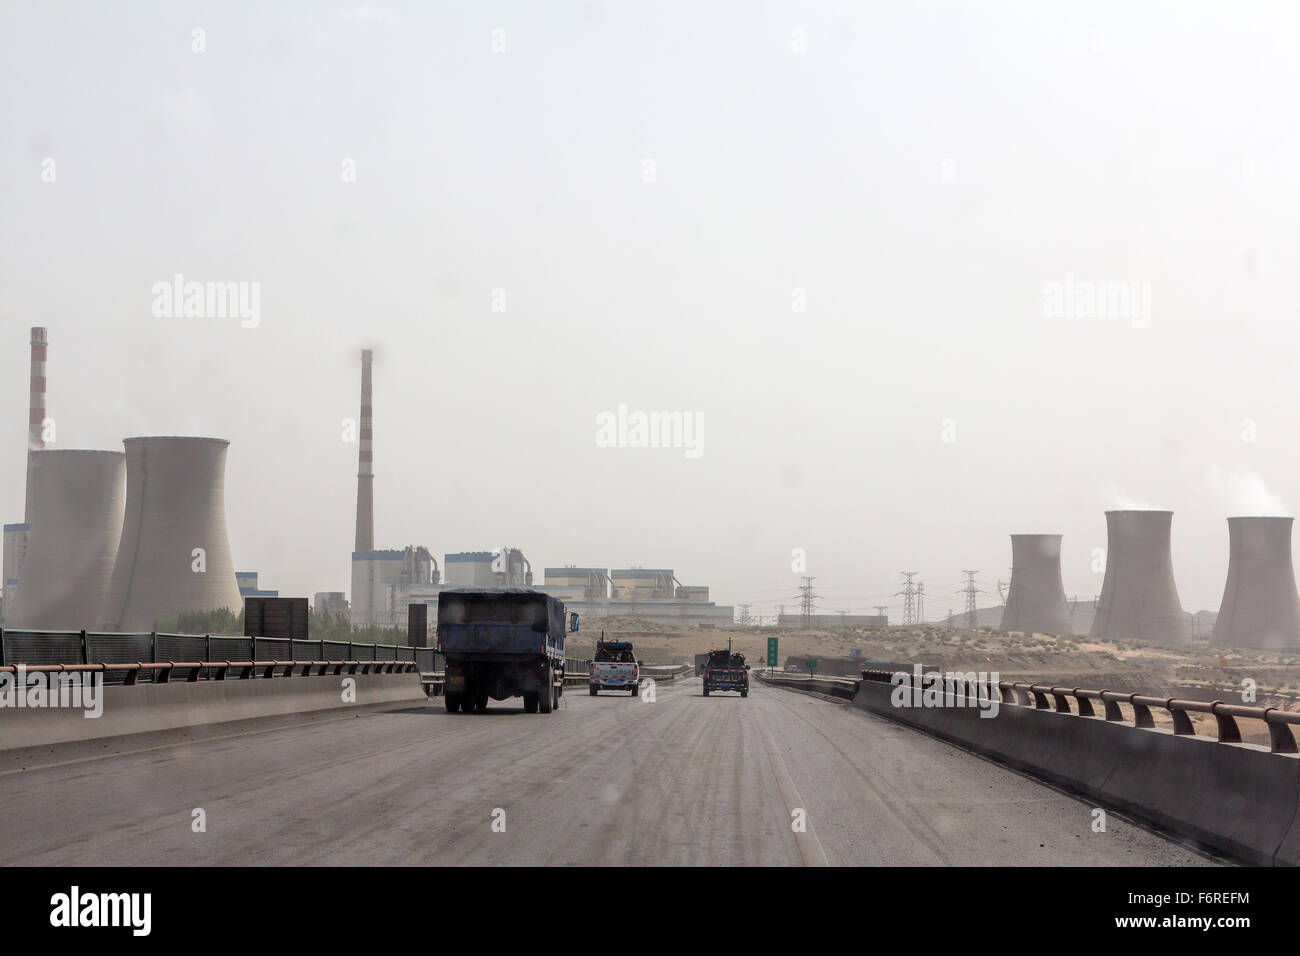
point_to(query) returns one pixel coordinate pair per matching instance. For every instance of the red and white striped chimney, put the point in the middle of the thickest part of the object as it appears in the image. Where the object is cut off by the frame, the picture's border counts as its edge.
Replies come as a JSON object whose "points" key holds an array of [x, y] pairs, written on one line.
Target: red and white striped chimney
{"points": [[365, 464], [36, 411]]}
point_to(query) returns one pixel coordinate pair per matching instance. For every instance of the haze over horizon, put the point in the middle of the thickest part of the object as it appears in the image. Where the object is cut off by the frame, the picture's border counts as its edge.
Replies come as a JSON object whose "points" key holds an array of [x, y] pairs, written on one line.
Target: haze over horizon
{"points": [[926, 281]]}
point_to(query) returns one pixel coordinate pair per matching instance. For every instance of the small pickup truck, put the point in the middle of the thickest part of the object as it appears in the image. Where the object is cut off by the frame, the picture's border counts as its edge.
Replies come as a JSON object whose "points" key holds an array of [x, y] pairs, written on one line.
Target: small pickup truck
{"points": [[726, 671], [614, 667]]}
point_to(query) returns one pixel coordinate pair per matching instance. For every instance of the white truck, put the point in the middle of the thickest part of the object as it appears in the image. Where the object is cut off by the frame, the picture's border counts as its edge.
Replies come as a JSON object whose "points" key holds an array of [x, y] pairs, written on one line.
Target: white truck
{"points": [[614, 667]]}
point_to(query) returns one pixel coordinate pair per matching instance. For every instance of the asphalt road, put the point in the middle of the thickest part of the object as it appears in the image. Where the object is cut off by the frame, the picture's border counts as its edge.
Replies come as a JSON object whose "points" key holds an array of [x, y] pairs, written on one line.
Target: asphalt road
{"points": [[608, 780]]}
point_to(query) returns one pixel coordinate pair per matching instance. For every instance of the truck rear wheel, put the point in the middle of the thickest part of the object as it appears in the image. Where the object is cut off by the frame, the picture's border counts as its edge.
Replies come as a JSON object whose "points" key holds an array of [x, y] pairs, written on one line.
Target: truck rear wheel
{"points": [[633, 689], [744, 693], [452, 701], [546, 695], [480, 703], [530, 703], [706, 690]]}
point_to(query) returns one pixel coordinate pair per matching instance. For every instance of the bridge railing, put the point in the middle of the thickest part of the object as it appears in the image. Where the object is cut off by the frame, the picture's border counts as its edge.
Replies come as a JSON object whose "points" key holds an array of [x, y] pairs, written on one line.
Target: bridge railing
{"points": [[35, 648], [1014, 693], [191, 671]]}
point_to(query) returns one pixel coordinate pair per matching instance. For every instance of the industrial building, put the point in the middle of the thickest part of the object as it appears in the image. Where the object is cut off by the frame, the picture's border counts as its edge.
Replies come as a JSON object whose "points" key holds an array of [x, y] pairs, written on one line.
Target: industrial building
{"points": [[386, 582], [17, 534], [1260, 607], [247, 583], [174, 554], [113, 540], [1036, 597], [649, 594], [333, 603], [1139, 599], [77, 507]]}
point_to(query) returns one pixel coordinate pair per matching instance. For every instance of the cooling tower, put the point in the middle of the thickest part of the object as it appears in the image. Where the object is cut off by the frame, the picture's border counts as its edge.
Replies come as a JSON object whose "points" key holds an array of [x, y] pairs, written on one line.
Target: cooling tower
{"points": [[77, 499], [175, 504], [1260, 605], [36, 407], [1139, 598], [365, 540], [1036, 599]]}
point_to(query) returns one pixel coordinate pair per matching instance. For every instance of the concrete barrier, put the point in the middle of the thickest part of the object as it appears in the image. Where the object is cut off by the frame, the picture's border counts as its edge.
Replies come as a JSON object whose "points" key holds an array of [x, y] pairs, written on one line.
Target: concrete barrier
{"points": [[1233, 798], [149, 707], [840, 687]]}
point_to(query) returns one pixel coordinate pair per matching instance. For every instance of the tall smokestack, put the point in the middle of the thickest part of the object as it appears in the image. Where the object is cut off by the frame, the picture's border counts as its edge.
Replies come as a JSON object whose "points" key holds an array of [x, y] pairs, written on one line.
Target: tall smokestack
{"points": [[36, 410], [365, 464], [1260, 605], [1036, 600], [1139, 598]]}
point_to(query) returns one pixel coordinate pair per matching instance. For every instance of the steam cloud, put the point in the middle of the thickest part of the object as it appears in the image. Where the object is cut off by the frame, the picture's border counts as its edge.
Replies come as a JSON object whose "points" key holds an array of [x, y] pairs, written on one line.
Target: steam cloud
{"points": [[1246, 493]]}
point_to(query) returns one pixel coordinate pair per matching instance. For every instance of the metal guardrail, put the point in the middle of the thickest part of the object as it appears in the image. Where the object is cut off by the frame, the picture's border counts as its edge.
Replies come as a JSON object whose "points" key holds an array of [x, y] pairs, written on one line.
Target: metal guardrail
{"points": [[37, 648], [1279, 722], [161, 671]]}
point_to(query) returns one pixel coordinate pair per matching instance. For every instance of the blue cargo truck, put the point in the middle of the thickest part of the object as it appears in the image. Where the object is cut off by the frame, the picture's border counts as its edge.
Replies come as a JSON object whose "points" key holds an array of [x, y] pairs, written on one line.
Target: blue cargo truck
{"points": [[502, 642]]}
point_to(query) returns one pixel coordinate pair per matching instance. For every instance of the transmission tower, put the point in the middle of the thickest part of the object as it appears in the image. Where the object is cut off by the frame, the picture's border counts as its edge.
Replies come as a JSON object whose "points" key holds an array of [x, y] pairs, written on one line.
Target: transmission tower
{"points": [[972, 617], [807, 602], [745, 619], [908, 595], [920, 602]]}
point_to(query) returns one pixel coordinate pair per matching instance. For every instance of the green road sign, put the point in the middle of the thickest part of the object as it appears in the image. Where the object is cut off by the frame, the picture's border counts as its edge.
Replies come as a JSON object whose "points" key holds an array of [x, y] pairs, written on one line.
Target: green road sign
{"points": [[771, 652]]}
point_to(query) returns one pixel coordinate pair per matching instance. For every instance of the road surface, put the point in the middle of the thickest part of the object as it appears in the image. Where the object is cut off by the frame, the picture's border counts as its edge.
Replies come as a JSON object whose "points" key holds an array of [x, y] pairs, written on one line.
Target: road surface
{"points": [[608, 780]]}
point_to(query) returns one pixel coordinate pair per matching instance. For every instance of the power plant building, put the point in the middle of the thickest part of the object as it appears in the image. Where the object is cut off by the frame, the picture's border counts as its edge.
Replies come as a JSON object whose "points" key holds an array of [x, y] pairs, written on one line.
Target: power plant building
{"points": [[1139, 599], [174, 554], [1260, 608], [77, 506], [1036, 598]]}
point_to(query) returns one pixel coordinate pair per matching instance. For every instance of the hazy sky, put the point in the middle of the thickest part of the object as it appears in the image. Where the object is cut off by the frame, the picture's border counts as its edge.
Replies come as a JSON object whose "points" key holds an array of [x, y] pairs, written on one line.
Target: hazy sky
{"points": [[835, 232]]}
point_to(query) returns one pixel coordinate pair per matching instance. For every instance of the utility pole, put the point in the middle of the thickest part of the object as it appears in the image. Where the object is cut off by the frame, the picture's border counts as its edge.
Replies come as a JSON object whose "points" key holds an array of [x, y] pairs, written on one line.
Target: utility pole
{"points": [[908, 595], [972, 616], [807, 602]]}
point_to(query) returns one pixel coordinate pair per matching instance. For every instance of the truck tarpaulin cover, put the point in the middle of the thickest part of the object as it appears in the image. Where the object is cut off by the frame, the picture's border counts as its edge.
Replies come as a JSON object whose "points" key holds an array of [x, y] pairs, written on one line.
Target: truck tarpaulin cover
{"points": [[511, 620]]}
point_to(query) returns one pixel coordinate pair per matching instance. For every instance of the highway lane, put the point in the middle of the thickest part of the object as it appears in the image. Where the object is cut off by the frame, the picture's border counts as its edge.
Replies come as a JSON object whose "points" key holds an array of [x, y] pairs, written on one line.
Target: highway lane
{"points": [[608, 780]]}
